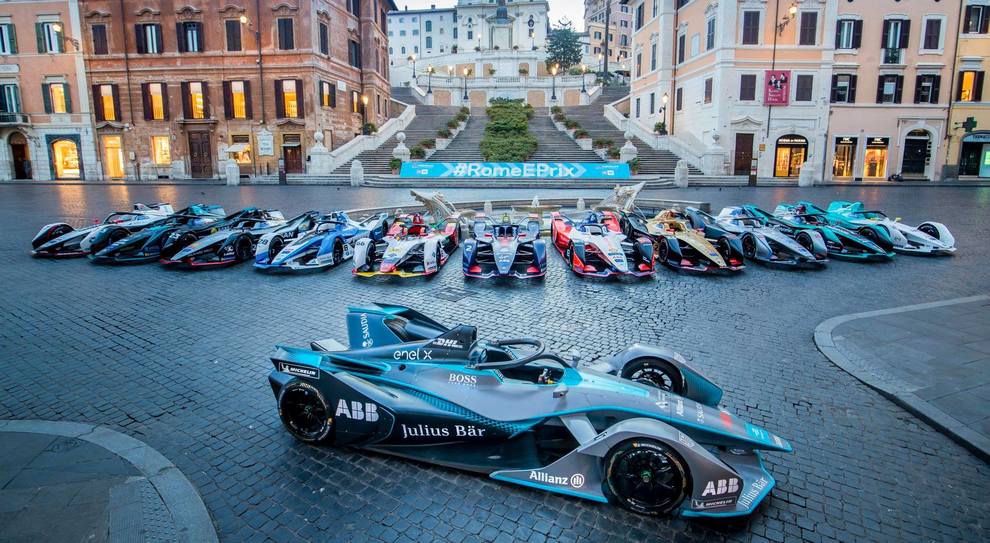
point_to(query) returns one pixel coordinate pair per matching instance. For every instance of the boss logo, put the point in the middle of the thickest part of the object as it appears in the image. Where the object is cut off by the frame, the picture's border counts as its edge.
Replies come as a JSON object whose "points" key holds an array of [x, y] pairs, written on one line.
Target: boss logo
{"points": [[366, 411], [461, 379], [721, 487]]}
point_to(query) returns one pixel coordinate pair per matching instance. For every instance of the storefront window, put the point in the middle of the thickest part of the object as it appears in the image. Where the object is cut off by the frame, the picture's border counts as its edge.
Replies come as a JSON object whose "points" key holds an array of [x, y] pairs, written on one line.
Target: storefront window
{"points": [[161, 150], [875, 161], [791, 153], [845, 157], [974, 157], [240, 149], [65, 156], [113, 156]]}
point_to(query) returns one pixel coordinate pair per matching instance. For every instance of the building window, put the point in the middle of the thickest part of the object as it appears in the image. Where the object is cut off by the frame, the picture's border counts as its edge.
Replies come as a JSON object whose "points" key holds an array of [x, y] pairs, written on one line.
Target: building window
{"points": [[328, 94], [889, 88], [237, 99], [747, 87], [233, 27], [639, 16], [976, 19], [148, 38], [681, 47], [639, 64], [100, 43], [709, 86], [970, 87], [804, 90], [56, 97], [195, 100], [653, 56], [240, 149], [49, 37], [8, 39], [155, 99], [933, 35], [710, 35], [354, 53], [848, 34], [678, 99], [843, 89], [354, 6], [286, 38], [751, 28], [896, 33], [637, 107], [429, 42], [105, 98], [324, 39], [10, 99], [429, 26], [355, 102], [654, 12], [653, 102], [161, 150], [926, 87], [809, 28], [288, 99], [189, 36]]}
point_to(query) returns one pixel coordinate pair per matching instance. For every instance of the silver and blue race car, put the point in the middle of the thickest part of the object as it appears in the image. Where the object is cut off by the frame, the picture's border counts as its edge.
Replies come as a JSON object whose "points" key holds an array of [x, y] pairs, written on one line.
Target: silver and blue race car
{"points": [[329, 243], [145, 245], [642, 429], [928, 238], [61, 240], [505, 249], [769, 241]]}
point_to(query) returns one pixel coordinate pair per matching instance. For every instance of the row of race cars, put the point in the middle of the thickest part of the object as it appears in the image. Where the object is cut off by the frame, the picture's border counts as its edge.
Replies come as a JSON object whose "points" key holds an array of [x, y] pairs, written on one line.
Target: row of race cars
{"points": [[614, 239]]}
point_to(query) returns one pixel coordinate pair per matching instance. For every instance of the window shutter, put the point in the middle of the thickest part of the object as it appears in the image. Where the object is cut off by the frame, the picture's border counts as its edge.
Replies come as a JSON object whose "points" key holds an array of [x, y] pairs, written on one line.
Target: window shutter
{"points": [[333, 96], [905, 33], [968, 19], [186, 100], [835, 85], [200, 36], [97, 104], [248, 106], [917, 88], [886, 34], [158, 39], [228, 102], [117, 113], [857, 34], [279, 100], [880, 89], [852, 89], [180, 38], [68, 97], [12, 36], [898, 88], [233, 35], [978, 90], [39, 32], [139, 42], [146, 101], [206, 101], [46, 94], [166, 109], [17, 99], [936, 84], [984, 20], [59, 42], [838, 33], [300, 104]]}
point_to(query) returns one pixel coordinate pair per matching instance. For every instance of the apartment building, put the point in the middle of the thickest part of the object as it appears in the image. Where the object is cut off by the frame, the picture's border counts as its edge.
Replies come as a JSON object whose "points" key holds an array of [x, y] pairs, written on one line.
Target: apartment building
{"points": [[420, 34], [620, 30], [619, 45], [968, 145]]}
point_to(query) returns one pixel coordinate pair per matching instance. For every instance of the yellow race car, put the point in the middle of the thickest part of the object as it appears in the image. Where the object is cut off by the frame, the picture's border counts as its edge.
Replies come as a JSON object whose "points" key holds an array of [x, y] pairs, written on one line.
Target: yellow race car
{"points": [[684, 245]]}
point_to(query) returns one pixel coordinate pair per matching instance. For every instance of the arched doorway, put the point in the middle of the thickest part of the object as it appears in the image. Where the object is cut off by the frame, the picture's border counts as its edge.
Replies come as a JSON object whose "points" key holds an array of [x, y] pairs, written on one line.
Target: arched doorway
{"points": [[917, 153], [20, 155], [65, 159], [792, 151]]}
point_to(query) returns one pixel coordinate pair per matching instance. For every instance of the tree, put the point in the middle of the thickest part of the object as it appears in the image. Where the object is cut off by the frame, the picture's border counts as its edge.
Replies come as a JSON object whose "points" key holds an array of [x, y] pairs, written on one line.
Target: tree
{"points": [[563, 47]]}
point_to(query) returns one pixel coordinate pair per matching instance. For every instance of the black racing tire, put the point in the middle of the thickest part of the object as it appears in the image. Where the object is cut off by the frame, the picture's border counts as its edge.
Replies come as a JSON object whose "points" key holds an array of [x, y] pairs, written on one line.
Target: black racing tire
{"points": [[569, 255], [804, 239], [663, 250], [439, 256], [723, 248], [383, 231], [646, 476], [749, 246], [115, 235], [275, 247], [870, 234], [655, 373], [929, 229], [243, 249], [338, 252], [305, 413]]}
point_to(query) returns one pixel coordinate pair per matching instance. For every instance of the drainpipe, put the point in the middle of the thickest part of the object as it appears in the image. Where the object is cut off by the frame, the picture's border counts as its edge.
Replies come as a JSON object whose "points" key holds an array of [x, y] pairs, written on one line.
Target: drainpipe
{"points": [[673, 72], [773, 62], [952, 84], [261, 64], [127, 84]]}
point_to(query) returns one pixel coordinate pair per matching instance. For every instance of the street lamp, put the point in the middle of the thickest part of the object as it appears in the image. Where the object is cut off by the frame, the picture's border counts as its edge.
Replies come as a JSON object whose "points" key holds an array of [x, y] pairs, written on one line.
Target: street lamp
{"points": [[553, 73], [57, 27], [600, 58], [412, 58], [364, 114], [584, 70], [465, 82], [791, 12], [663, 110], [450, 71], [429, 78]]}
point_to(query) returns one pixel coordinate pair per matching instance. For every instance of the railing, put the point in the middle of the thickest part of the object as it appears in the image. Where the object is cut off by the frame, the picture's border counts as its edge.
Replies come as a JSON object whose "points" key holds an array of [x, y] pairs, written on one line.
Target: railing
{"points": [[893, 56], [14, 118], [358, 144], [454, 82]]}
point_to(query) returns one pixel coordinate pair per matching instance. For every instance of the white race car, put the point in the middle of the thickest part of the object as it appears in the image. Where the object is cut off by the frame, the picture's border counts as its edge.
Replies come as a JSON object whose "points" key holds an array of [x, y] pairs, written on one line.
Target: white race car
{"points": [[411, 248], [928, 238], [60, 240]]}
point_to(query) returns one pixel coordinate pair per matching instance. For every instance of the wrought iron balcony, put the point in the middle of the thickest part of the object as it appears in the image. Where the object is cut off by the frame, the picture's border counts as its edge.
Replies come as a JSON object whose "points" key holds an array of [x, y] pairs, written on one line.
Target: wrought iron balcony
{"points": [[14, 118], [893, 56]]}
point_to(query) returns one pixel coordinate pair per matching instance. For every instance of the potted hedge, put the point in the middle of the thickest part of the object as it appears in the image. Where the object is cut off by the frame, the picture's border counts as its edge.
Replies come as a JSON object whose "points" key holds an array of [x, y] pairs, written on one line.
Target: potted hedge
{"points": [[453, 124], [571, 126], [660, 128], [491, 71], [583, 139], [556, 109], [417, 152], [602, 143], [634, 165], [369, 129], [523, 70], [395, 165], [613, 153], [464, 111], [428, 143]]}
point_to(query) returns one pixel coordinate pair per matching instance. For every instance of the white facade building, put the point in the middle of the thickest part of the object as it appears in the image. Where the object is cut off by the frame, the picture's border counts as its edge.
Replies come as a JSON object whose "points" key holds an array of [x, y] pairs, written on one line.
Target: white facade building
{"points": [[425, 33]]}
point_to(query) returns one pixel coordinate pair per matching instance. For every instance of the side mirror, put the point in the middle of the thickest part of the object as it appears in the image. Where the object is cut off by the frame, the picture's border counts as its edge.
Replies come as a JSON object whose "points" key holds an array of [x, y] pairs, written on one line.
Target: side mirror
{"points": [[574, 357], [560, 391]]}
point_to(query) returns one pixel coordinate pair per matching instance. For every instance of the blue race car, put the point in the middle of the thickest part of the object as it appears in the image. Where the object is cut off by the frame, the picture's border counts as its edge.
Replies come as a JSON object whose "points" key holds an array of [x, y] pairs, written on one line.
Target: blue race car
{"points": [[928, 238], [505, 249], [328, 244], [642, 429], [841, 243], [146, 245]]}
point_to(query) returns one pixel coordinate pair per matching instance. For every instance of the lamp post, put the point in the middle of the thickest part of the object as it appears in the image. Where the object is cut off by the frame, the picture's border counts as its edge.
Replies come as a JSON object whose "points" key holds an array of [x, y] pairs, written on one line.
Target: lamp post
{"points": [[429, 79], [412, 59], [791, 13], [553, 73], [584, 70], [465, 83], [600, 58], [364, 114], [663, 110]]}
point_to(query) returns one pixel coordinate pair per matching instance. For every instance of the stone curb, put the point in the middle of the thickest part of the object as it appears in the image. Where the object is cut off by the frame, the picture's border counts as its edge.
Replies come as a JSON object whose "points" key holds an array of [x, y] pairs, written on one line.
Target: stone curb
{"points": [[895, 389], [192, 520]]}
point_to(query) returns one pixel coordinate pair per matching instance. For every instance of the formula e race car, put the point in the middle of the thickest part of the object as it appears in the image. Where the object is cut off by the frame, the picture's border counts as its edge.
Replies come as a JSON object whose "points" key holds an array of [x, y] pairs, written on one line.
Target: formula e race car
{"points": [[178, 239], [59, 240], [928, 238], [684, 243], [505, 249], [841, 243], [145, 245], [515, 411], [597, 247], [768, 241], [411, 248], [236, 242], [328, 244]]}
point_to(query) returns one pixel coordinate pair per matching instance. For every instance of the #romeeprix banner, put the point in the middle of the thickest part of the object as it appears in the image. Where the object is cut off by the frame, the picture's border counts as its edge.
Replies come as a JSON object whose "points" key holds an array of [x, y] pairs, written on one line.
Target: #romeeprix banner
{"points": [[777, 87], [514, 170]]}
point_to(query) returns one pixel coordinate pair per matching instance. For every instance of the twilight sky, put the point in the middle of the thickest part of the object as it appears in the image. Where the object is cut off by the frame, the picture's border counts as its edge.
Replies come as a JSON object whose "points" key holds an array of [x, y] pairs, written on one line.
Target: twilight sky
{"points": [[572, 9]]}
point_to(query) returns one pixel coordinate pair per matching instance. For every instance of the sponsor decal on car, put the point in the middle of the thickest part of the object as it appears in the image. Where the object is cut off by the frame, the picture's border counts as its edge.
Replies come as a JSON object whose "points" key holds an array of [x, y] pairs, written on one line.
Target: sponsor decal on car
{"points": [[366, 411], [721, 487], [461, 379], [683, 439], [746, 500], [426, 430], [575, 481], [415, 354], [299, 371], [447, 343], [699, 412], [366, 340], [679, 407], [712, 504]]}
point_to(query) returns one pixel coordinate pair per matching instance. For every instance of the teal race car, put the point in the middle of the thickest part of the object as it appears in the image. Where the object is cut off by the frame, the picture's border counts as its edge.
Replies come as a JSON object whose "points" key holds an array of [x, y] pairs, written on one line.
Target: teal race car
{"points": [[928, 238], [841, 243]]}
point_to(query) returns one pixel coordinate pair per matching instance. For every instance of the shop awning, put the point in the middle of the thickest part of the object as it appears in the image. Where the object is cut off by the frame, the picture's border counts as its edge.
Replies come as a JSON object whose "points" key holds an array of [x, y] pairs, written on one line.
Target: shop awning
{"points": [[237, 148]]}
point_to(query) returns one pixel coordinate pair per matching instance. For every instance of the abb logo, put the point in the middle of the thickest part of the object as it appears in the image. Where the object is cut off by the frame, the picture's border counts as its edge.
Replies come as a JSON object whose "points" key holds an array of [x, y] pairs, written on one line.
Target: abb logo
{"points": [[720, 487], [366, 411]]}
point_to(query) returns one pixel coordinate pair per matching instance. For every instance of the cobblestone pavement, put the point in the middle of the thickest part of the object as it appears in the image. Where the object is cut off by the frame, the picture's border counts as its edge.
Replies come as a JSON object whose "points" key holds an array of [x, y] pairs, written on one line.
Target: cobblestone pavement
{"points": [[179, 361]]}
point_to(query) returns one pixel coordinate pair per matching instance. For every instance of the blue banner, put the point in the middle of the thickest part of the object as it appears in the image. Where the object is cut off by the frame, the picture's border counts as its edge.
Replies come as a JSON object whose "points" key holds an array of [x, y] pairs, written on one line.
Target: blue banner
{"points": [[514, 170]]}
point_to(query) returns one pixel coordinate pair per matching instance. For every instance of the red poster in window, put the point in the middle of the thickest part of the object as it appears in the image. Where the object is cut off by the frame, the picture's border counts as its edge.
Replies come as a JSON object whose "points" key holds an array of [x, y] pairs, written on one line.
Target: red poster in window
{"points": [[777, 87]]}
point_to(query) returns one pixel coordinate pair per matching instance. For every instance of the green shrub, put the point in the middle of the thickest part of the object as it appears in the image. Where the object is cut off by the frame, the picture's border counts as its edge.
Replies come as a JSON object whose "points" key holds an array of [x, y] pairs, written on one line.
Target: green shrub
{"points": [[369, 128], [559, 117], [461, 117], [395, 164], [571, 124], [660, 128], [417, 152], [453, 124], [507, 138], [602, 143], [428, 143], [465, 110], [613, 152], [634, 165], [444, 133], [556, 109], [581, 134]]}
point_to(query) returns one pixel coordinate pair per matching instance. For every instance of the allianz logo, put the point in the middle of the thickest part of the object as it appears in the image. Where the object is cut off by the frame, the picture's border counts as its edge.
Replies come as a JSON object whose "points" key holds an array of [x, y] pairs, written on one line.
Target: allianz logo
{"points": [[575, 481]]}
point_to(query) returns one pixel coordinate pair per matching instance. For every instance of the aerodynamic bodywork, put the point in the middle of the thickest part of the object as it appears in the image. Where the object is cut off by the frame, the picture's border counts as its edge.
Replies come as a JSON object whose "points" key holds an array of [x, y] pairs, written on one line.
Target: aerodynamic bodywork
{"points": [[768, 241], [236, 241], [928, 238], [505, 249], [411, 248], [597, 247], [683, 245], [60, 240], [145, 245], [328, 244], [841, 243], [515, 411]]}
